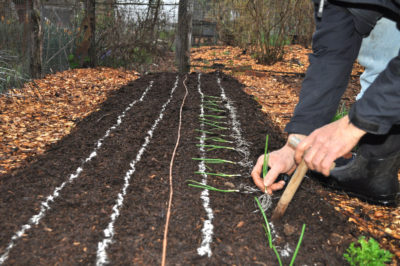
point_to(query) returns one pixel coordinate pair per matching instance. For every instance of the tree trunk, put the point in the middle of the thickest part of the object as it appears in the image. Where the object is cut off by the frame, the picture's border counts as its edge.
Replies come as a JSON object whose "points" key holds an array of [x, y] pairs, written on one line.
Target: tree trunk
{"points": [[184, 35], [90, 6], [36, 39]]}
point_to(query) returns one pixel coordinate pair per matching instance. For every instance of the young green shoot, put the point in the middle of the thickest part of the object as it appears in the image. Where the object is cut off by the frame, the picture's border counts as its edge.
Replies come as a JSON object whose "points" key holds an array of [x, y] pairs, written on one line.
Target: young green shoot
{"points": [[214, 109], [269, 236], [213, 161], [208, 187], [212, 97], [218, 174], [303, 229], [212, 121], [216, 139], [266, 158], [215, 126], [214, 116], [211, 103], [209, 132], [214, 147]]}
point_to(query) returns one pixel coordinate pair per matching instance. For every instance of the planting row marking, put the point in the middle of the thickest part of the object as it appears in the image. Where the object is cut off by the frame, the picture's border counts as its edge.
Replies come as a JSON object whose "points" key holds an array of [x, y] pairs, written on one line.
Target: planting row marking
{"points": [[241, 144], [102, 258], [171, 190], [45, 205], [208, 228]]}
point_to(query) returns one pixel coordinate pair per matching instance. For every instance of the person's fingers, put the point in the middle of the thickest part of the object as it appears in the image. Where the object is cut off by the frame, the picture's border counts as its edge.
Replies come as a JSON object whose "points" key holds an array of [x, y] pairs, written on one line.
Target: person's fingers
{"points": [[277, 186], [272, 175], [301, 149], [327, 163], [256, 173]]}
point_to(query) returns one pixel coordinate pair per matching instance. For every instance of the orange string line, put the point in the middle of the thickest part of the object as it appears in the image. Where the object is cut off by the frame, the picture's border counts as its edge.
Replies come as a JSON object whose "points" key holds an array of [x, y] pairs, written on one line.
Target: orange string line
{"points": [[171, 191]]}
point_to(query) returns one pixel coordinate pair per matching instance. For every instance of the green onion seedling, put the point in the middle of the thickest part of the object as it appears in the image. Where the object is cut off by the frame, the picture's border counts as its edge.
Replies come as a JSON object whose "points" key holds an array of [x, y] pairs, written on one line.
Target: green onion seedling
{"points": [[266, 158], [215, 126], [214, 147], [269, 236], [212, 121], [201, 185], [218, 174], [214, 109], [214, 116], [209, 132], [212, 97], [213, 161], [216, 139]]}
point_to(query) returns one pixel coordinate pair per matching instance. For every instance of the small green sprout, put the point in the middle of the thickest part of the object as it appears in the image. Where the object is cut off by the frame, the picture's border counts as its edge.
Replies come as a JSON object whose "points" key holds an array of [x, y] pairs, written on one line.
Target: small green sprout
{"points": [[367, 253], [218, 174], [201, 185], [266, 158], [213, 161], [214, 109], [267, 230], [214, 116], [216, 139], [214, 147]]}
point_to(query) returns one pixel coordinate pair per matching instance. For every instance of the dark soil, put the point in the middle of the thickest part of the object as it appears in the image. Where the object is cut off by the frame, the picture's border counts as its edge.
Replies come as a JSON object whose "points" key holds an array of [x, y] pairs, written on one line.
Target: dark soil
{"points": [[74, 223]]}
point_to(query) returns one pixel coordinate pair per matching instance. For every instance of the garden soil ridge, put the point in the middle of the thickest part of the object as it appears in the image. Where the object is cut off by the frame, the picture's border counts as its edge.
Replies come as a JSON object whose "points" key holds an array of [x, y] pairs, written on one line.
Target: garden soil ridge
{"points": [[74, 223]]}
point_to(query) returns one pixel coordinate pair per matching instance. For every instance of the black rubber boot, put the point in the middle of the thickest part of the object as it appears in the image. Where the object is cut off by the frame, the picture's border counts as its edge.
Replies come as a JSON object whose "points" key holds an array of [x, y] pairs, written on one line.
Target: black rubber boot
{"points": [[371, 174]]}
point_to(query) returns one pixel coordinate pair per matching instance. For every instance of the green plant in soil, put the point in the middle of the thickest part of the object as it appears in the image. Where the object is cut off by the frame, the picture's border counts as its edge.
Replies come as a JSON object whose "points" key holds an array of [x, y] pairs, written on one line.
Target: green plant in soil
{"points": [[341, 112], [216, 139], [267, 230], [214, 116], [208, 187], [266, 158], [214, 109], [214, 147], [218, 174], [213, 161], [212, 121], [367, 253], [209, 132]]}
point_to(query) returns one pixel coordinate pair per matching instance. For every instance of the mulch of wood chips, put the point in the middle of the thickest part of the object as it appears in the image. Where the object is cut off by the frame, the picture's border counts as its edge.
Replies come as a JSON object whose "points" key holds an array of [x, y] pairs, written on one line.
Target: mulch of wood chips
{"points": [[43, 112]]}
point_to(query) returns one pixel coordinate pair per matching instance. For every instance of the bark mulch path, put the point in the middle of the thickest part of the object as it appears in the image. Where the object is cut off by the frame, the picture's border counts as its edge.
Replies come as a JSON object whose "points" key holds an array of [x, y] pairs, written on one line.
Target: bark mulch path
{"points": [[112, 206]]}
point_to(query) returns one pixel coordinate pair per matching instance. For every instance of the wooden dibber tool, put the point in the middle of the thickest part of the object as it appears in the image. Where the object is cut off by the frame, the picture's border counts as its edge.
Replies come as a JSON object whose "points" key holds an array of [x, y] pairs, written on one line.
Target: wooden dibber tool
{"points": [[293, 185]]}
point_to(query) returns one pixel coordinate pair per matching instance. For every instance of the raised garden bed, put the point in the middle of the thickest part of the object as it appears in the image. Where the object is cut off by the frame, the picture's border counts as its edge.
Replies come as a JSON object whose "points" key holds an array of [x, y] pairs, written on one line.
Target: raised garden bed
{"points": [[101, 193]]}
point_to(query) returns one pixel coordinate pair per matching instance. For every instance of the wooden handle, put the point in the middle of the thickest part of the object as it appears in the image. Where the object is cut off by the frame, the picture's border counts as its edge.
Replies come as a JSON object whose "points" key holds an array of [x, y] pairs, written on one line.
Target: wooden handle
{"points": [[290, 190], [293, 185]]}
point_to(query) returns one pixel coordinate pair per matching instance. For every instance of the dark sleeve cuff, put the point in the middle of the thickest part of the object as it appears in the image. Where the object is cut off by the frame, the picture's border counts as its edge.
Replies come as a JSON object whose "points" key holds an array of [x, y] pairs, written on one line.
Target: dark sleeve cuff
{"points": [[368, 126]]}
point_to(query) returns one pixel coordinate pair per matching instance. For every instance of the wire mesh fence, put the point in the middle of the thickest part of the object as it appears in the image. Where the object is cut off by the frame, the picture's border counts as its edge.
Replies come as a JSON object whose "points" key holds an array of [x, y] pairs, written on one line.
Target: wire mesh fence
{"points": [[128, 34]]}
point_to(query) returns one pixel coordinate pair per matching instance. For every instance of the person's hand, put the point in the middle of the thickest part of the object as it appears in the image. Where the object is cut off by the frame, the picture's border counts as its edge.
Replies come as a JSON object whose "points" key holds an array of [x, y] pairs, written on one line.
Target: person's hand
{"points": [[326, 144], [280, 161]]}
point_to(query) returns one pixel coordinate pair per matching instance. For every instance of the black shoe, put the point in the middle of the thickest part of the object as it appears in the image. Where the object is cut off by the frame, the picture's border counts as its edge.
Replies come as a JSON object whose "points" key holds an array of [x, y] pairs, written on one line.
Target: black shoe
{"points": [[371, 180]]}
